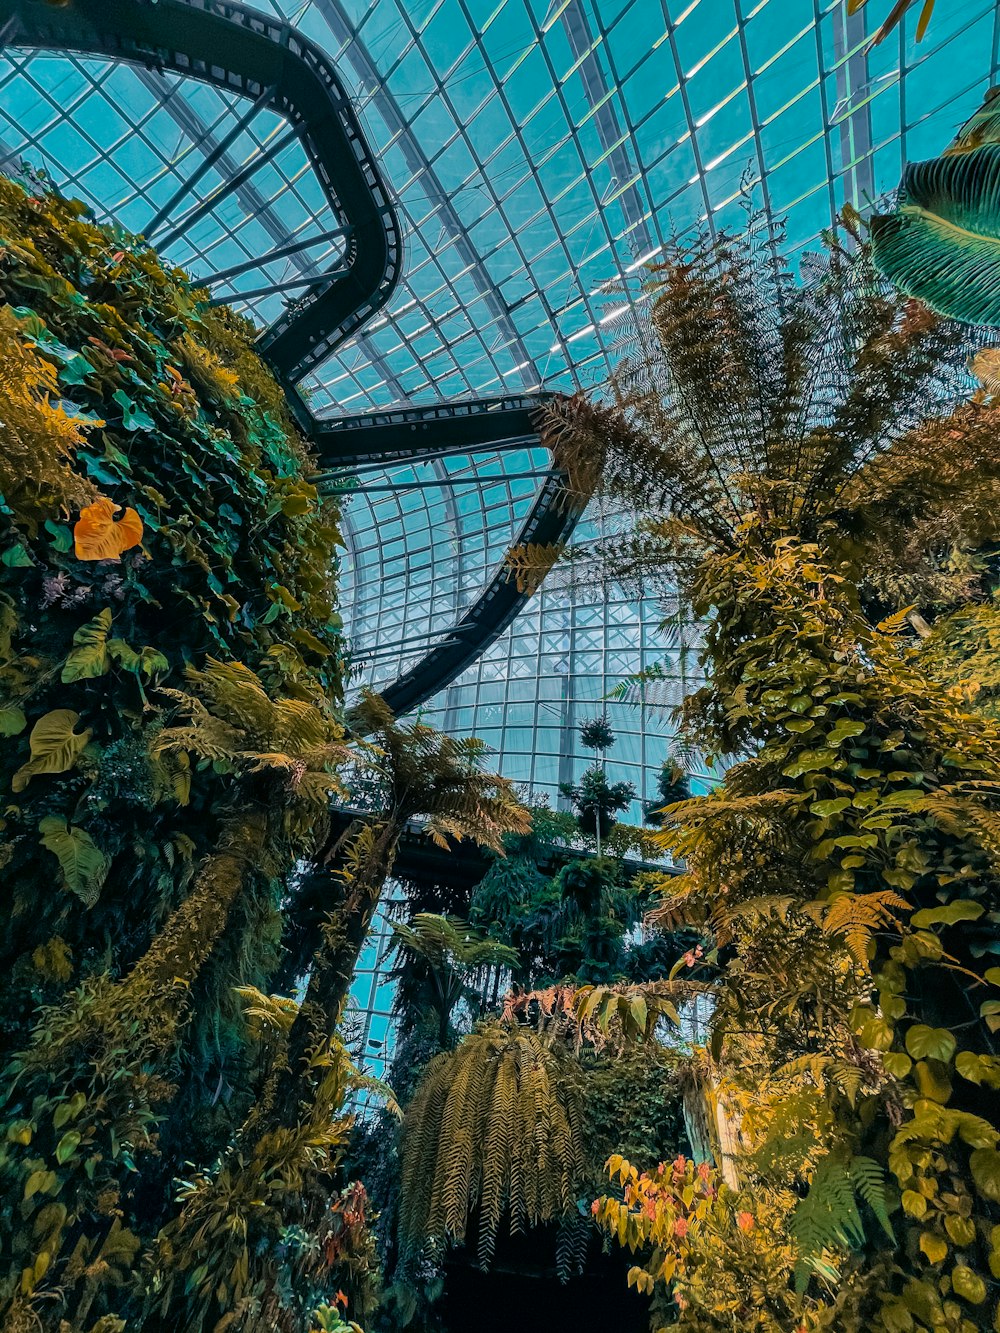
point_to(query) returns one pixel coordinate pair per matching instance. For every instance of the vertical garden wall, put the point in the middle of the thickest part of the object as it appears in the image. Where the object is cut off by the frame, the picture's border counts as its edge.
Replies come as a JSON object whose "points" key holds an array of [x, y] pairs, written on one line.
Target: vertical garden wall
{"points": [[170, 684]]}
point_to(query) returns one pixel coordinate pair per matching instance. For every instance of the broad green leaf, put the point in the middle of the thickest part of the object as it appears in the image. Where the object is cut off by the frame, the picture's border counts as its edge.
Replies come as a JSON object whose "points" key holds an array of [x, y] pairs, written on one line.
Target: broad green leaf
{"points": [[967, 1284], [942, 244], [985, 1166], [935, 1247], [960, 1229], [309, 640], [810, 761], [61, 534], [897, 1064], [823, 809], [930, 1083], [133, 417], [872, 1031], [152, 662], [67, 1145], [34, 1184], [843, 730], [127, 658], [89, 655], [68, 1110], [55, 746], [962, 909], [924, 1042], [914, 1204], [16, 557], [12, 720], [979, 1068], [83, 864]]}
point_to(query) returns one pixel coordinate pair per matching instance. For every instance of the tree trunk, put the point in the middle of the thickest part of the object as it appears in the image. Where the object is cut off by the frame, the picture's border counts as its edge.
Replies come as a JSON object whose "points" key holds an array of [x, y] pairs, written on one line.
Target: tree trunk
{"points": [[180, 950], [334, 962]]}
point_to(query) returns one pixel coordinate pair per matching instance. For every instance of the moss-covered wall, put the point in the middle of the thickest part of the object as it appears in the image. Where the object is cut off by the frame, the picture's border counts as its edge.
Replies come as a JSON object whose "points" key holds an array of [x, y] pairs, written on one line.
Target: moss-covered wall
{"points": [[170, 689]]}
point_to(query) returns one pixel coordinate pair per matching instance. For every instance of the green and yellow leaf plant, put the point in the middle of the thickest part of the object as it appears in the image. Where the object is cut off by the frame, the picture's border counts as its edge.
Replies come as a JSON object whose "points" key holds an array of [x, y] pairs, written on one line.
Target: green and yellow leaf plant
{"points": [[171, 711], [497, 1126], [803, 457]]}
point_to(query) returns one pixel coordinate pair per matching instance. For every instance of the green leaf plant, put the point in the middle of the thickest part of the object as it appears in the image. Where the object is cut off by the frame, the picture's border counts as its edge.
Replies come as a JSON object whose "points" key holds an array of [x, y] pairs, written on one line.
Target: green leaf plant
{"points": [[171, 708], [801, 458], [941, 242]]}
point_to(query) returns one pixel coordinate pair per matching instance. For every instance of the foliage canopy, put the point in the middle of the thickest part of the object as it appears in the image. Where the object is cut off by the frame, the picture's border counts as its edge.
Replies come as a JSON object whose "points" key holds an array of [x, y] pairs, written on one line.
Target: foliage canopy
{"points": [[807, 462]]}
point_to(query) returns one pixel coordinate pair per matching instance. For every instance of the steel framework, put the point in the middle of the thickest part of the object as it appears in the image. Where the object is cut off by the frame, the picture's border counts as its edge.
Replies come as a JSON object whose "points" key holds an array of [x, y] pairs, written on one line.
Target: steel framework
{"points": [[274, 66]]}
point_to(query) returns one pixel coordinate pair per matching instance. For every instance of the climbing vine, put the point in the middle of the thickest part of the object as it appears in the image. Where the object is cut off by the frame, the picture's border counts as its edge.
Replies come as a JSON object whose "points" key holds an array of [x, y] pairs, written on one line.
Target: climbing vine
{"points": [[170, 687]]}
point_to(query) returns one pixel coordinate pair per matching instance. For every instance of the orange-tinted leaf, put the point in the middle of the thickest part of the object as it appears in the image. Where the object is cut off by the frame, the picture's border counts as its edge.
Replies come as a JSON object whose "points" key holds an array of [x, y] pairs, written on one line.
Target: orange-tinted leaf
{"points": [[97, 536]]}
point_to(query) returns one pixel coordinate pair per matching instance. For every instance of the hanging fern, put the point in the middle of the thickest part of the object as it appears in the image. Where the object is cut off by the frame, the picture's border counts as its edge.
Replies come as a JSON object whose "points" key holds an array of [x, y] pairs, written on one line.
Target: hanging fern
{"points": [[495, 1128]]}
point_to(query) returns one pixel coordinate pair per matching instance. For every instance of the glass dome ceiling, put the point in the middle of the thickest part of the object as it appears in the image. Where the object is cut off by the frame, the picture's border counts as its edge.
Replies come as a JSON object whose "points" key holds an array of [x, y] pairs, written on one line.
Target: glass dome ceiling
{"points": [[539, 153]]}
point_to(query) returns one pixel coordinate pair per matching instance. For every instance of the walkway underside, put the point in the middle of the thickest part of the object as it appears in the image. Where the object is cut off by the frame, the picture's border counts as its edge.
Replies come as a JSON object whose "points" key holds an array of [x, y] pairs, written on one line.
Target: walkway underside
{"points": [[255, 56]]}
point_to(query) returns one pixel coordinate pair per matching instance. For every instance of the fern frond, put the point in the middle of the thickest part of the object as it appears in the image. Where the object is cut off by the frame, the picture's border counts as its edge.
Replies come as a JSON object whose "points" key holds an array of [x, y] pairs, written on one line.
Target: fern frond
{"points": [[855, 917], [827, 1219], [495, 1125]]}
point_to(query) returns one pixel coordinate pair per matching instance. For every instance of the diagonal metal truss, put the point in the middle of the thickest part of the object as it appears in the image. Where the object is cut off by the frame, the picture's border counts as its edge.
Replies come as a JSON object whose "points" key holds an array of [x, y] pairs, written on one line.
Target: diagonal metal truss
{"points": [[244, 52], [267, 61]]}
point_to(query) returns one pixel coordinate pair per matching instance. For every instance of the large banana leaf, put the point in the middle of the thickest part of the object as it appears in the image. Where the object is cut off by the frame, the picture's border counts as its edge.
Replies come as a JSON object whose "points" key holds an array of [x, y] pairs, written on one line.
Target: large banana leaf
{"points": [[942, 243]]}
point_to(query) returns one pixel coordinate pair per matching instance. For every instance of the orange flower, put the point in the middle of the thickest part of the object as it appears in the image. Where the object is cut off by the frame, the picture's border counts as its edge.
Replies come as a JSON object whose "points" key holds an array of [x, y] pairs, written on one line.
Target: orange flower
{"points": [[97, 536], [340, 1299], [681, 1226], [745, 1221]]}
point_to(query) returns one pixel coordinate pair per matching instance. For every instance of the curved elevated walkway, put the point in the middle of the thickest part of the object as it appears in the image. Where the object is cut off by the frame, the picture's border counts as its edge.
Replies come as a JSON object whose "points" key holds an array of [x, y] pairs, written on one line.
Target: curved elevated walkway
{"points": [[268, 62]]}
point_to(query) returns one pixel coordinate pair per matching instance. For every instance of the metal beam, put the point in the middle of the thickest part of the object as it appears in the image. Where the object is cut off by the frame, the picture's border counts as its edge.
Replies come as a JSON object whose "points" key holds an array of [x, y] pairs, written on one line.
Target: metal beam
{"points": [[853, 78], [271, 257], [230, 185], [219, 151], [549, 523], [275, 288], [244, 53], [256, 206], [442, 428], [598, 94], [436, 482], [356, 54]]}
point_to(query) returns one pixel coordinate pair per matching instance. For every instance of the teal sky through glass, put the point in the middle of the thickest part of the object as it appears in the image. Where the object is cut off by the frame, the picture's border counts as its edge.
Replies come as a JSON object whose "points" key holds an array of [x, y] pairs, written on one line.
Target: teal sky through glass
{"points": [[540, 151]]}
